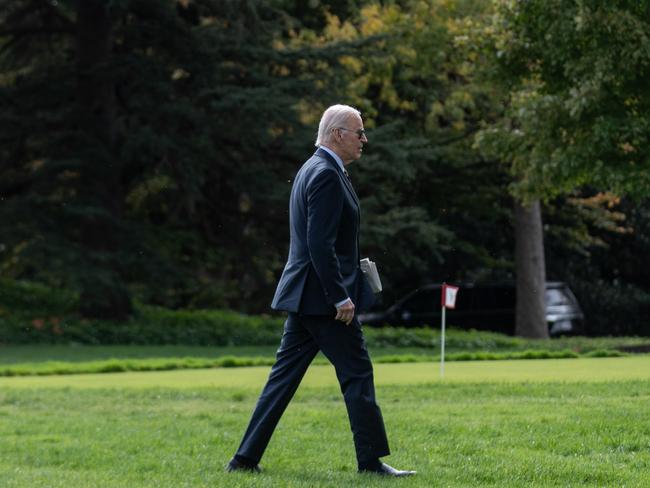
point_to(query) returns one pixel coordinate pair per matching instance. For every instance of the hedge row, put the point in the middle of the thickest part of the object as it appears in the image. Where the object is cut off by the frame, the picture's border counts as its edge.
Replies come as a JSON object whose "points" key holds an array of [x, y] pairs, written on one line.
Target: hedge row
{"points": [[32, 313], [150, 326], [157, 326], [51, 368]]}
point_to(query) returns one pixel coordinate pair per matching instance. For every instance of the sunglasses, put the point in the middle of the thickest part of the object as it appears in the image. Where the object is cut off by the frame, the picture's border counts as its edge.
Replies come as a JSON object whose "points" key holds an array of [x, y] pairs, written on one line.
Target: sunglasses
{"points": [[360, 133]]}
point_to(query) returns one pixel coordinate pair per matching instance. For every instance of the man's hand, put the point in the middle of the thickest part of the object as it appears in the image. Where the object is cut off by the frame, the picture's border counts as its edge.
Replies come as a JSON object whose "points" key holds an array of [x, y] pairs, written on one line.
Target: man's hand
{"points": [[345, 312]]}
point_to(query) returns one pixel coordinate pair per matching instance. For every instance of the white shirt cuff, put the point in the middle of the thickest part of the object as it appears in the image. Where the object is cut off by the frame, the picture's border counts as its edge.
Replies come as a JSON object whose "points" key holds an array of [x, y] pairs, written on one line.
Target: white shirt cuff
{"points": [[337, 305]]}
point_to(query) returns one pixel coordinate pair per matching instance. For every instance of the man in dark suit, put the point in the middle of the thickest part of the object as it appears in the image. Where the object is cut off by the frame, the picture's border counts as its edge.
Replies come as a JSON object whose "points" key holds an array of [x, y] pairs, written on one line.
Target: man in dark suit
{"points": [[321, 288]]}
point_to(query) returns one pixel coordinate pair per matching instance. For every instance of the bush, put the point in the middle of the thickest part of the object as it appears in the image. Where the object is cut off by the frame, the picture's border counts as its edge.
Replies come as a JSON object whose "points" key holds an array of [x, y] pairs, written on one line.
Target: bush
{"points": [[468, 340], [35, 314], [31, 313], [34, 299], [150, 325], [612, 309]]}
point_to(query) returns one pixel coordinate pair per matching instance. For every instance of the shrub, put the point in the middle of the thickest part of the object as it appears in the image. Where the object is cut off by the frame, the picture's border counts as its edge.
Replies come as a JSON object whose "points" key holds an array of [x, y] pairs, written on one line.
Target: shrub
{"points": [[17, 296], [455, 339], [150, 325], [35, 314], [614, 309]]}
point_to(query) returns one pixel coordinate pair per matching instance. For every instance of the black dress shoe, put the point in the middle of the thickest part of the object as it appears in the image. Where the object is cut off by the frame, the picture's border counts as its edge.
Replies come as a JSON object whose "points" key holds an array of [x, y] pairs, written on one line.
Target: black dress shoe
{"points": [[385, 470], [235, 465]]}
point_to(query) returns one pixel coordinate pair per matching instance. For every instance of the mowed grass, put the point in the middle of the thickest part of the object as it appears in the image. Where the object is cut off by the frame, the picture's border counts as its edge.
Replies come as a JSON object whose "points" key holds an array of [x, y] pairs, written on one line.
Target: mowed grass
{"points": [[43, 353], [575, 422], [47, 360]]}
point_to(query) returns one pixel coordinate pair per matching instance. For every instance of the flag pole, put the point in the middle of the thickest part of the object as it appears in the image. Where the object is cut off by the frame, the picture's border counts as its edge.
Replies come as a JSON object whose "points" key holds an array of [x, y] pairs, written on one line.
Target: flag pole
{"points": [[442, 344], [447, 300]]}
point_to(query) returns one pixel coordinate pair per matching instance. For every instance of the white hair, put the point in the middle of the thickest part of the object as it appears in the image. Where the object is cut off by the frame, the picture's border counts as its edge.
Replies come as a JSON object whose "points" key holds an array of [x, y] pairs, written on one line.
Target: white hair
{"points": [[335, 116]]}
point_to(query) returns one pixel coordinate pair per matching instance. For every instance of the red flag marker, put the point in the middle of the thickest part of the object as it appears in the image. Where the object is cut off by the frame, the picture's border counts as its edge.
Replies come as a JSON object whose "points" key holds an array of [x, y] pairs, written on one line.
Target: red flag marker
{"points": [[448, 300], [449, 293]]}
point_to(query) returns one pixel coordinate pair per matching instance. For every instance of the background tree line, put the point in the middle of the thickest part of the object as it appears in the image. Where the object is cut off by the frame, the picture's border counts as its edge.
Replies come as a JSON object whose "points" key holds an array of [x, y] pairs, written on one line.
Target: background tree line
{"points": [[148, 147]]}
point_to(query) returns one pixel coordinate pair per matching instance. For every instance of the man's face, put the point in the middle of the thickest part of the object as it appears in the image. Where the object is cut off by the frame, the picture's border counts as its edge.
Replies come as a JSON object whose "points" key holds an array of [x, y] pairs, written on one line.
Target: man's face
{"points": [[351, 139]]}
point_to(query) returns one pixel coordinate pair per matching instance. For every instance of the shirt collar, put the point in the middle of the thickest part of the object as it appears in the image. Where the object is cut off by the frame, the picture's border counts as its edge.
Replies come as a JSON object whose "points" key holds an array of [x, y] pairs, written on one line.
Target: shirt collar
{"points": [[336, 157]]}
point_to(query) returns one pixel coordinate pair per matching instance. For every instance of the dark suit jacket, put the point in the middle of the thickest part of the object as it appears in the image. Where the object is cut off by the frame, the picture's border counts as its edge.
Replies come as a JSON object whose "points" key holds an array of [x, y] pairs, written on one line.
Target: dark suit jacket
{"points": [[323, 264]]}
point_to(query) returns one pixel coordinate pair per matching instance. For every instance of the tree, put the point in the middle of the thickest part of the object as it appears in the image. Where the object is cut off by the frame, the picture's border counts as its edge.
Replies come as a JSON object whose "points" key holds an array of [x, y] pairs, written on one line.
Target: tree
{"points": [[579, 112], [531, 272], [576, 111], [425, 217], [424, 72], [149, 147], [69, 200], [604, 258]]}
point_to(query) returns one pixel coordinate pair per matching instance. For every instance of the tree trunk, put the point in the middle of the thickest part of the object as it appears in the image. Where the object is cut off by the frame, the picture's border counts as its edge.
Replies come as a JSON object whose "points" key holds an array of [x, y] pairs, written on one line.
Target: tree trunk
{"points": [[103, 294], [531, 272]]}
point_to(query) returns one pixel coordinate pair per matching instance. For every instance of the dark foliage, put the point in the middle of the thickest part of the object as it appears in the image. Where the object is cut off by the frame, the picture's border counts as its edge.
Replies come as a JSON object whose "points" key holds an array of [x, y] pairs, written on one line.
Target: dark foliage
{"points": [[147, 150]]}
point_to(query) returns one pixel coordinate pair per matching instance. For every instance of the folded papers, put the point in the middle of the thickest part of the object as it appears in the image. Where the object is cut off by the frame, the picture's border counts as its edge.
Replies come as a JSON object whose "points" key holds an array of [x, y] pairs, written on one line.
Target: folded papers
{"points": [[372, 275]]}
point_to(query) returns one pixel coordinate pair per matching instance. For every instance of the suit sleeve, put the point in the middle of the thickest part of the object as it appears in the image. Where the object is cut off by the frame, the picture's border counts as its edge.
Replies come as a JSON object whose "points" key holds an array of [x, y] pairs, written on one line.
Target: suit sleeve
{"points": [[324, 208]]}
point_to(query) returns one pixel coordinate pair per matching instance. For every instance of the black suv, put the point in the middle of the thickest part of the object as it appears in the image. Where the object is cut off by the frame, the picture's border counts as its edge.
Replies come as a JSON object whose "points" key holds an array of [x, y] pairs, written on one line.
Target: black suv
{"points": [[486, 306]]}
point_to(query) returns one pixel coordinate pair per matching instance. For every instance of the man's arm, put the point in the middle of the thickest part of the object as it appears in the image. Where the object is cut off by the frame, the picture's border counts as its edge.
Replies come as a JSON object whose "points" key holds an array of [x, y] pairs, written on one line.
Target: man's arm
{"points": [[345, 311], [324, 206]]}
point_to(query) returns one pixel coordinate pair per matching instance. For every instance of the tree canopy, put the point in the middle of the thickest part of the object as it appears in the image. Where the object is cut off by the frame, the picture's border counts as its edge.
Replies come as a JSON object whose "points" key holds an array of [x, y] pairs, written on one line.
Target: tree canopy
{"points": [[148, 147], [578, 110]]}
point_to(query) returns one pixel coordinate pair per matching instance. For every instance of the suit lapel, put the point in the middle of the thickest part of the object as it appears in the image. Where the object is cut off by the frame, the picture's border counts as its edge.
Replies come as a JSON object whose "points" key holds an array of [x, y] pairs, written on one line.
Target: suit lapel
{"points": [[346, 181]]}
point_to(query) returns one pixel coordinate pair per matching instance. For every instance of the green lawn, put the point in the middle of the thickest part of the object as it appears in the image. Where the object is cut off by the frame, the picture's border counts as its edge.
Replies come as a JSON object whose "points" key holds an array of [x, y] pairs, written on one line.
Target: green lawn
{"points": [[575, 422], [42, 359], [16, 354]]}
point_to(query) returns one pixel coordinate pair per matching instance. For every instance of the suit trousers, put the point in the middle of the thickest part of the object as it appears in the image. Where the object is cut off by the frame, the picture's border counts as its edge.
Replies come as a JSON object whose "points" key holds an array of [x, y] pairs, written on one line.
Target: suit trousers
{"points": [[345, 348]]}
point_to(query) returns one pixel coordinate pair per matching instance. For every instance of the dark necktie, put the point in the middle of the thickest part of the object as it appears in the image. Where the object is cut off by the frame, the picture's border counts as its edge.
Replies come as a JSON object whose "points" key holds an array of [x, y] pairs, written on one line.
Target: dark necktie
{"points": [[347, 175]]}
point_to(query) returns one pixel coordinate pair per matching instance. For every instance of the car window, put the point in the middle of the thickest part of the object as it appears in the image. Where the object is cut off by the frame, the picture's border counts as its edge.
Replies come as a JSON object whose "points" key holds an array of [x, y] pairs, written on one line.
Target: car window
{"points": [[556, 297], [474, 298], [422, 301], [486, 298], [466, 299]]}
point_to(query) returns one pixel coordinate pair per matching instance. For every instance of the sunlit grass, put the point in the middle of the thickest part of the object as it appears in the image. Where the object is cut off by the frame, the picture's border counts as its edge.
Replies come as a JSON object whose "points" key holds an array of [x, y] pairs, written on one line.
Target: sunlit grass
{"points": [[42, 360], [558, 370], [574, 422]]}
